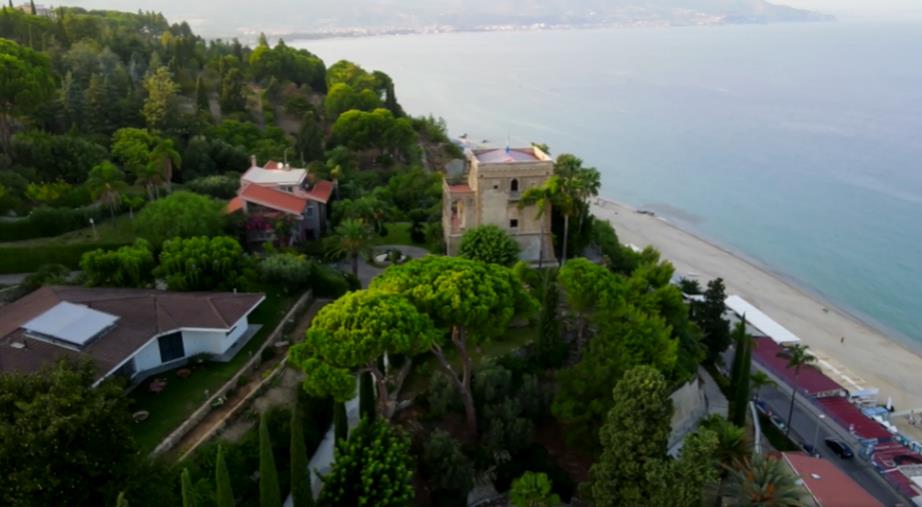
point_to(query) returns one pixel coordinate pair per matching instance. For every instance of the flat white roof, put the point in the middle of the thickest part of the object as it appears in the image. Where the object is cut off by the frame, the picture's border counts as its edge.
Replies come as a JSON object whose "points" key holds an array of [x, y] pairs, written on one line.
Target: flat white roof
{"points": [[261, 176], [75, 324], [778, 333]]}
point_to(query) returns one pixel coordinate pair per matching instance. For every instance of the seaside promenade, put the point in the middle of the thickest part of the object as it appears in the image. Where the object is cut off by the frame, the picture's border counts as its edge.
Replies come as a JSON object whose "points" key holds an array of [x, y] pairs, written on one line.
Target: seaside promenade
{"points": [[870, 358]]}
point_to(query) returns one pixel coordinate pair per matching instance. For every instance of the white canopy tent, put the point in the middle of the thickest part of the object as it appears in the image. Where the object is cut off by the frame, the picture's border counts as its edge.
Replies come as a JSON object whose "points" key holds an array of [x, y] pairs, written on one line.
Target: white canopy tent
{"points": [[778, 333]]}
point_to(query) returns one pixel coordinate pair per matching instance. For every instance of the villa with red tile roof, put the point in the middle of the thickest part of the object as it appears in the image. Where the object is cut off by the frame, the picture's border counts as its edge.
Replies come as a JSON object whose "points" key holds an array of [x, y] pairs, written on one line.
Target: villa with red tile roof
{"points": [[489, 195], [277, 197]]}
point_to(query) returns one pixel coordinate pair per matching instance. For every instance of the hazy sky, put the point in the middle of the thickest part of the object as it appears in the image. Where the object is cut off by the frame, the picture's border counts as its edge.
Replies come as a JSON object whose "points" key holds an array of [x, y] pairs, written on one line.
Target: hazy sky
{"points": [[228, 17]]}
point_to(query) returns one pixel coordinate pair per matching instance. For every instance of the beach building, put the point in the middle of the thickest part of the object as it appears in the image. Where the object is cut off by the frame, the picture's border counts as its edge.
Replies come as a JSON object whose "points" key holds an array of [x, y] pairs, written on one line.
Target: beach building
{"points": [[281, 204], [132, 333], [825, 485], [488, 193]]}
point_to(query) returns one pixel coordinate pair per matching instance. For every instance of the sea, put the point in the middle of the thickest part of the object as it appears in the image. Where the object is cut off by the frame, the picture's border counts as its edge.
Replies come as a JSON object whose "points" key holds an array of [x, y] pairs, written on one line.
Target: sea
{"points": [[796, 145]]}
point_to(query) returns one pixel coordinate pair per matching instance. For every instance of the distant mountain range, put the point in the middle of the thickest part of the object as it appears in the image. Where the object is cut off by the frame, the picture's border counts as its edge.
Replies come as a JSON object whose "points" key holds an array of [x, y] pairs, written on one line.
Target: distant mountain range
{"points": [[376, 16]]}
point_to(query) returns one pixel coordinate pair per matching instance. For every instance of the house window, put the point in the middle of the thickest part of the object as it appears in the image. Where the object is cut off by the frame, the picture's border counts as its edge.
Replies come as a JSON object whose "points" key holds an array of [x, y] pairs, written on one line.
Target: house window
{"points": [[514, 185], [171, 347], [514, 223]]}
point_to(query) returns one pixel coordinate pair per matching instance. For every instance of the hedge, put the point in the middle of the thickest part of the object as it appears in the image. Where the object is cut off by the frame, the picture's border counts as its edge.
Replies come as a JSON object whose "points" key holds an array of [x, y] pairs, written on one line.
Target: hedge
{"points": [[46, 222], [26, 259]]}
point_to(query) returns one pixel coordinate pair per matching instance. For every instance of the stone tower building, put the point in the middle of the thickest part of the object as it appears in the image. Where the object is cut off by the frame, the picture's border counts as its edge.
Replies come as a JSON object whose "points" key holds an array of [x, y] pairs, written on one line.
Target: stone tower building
{"points": [[495, 181]]}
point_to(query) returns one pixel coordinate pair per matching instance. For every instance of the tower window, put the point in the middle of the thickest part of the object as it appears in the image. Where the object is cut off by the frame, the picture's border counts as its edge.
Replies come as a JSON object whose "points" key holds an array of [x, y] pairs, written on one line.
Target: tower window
{"points": [[514, 223], [514, 185]]}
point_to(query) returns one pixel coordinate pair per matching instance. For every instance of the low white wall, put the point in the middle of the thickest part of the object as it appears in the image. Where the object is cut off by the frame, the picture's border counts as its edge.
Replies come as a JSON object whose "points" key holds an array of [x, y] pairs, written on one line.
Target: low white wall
{"points": [[148, 357]]}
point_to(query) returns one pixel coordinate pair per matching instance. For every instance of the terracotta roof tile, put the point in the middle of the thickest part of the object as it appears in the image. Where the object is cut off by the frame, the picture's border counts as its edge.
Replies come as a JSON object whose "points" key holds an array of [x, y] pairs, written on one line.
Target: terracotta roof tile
{"points": [[234, 205], [321, 191], [275, 199]]}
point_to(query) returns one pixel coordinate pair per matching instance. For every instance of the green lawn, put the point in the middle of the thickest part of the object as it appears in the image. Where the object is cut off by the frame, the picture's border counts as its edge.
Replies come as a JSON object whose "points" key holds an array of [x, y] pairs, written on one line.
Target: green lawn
{"points": [[182, 396], [515, 339]]}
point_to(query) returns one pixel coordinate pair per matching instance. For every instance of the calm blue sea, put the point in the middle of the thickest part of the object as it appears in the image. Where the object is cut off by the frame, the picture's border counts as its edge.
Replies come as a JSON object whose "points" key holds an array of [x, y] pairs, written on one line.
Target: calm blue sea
{"points": [[797, 145]]}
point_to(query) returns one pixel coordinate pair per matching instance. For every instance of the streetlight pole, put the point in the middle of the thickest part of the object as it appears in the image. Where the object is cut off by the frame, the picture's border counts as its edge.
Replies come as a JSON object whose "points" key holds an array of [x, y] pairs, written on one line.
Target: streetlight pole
{"points": [[816, 433]]}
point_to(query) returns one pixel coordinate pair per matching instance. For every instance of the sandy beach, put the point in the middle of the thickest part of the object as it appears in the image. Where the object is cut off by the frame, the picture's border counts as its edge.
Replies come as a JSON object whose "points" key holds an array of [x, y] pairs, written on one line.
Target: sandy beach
{"points": [[868, 358]]}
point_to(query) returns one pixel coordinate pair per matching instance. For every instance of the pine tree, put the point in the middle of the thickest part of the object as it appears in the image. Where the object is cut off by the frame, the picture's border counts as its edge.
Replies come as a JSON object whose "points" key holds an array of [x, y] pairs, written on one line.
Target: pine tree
{"points": [[340, 422], [739, 380], [366, 396], [188, 493], [121, 501], [301, 494], [224, 496], [71, 98], [269, 493]]}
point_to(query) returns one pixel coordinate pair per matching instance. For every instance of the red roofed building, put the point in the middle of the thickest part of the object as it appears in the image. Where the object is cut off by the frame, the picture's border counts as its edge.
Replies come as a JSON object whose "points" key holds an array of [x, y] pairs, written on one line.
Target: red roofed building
{"points": [[827, 485], [282, 204]]}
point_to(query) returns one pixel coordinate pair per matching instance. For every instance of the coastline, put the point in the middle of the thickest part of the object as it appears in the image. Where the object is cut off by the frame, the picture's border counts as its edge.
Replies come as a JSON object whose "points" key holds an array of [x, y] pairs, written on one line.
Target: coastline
{"points": [[870, 357]]}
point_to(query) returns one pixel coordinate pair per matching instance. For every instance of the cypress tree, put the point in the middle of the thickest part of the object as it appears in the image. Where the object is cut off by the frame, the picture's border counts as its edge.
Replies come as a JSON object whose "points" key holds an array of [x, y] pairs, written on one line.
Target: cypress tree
{"points": [[742, 362], [340, 422], [224, 496], [32, 7], [121, 501], [551, 349], [188, 494], [201, 95], [269, 493], [366, 396], [301, 494]]}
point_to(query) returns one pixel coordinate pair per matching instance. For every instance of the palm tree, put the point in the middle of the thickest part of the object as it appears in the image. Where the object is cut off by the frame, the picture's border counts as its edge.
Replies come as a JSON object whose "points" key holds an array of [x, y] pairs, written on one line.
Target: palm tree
{"points": [[733, 447], [541, 197], [798, 355], [165, 156], [150, 177], [577, 185], [351, 238], [764, 482], [758, 380], [106, 183]]}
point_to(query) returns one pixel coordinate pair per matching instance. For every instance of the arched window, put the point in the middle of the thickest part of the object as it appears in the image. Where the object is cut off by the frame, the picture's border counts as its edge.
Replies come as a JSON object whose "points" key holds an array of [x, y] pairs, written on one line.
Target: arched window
{"points": [[514, 185]]}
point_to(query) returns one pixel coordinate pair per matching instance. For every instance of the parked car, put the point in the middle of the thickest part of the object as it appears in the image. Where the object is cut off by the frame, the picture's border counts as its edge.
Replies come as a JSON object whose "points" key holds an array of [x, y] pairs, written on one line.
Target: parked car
{"points": [[812, 451], [840, 448]]}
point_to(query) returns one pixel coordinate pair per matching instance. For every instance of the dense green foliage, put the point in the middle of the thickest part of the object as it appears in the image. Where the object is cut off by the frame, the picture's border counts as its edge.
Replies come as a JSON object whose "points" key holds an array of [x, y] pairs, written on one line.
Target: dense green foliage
{"points": [[354, 332], [224, 492], [739, 374], [628, 321], [489, 243], [129, 266], [181, 215], [633, 436], [476, 301], [203, 264], [765, 481], [709, 315], [533, 490], [65, 442], [449, 471], [269, 493], [372, 467]]}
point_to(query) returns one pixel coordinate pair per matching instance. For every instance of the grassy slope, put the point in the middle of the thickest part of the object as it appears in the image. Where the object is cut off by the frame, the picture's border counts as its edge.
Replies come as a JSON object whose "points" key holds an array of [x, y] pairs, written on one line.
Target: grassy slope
{"points": [[182, 396]]}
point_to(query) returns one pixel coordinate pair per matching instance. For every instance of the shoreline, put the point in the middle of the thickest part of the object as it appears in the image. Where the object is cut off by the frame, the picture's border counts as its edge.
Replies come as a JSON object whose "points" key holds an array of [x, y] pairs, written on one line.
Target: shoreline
{"points": [[870, 355]]}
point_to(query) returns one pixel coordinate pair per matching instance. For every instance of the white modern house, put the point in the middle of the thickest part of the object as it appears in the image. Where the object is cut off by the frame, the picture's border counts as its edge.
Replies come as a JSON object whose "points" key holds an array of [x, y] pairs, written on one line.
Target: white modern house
{"points": [[132, 333]]}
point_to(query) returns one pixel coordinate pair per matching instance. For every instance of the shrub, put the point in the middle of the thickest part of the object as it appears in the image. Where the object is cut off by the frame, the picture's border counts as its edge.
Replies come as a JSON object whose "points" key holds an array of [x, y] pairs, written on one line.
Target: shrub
{"points": [[129, 266], [489, 243], [46, 222], [181, 215], [442, 395], [26, 259], [450, 472], [289, 271], [219, 186]]}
